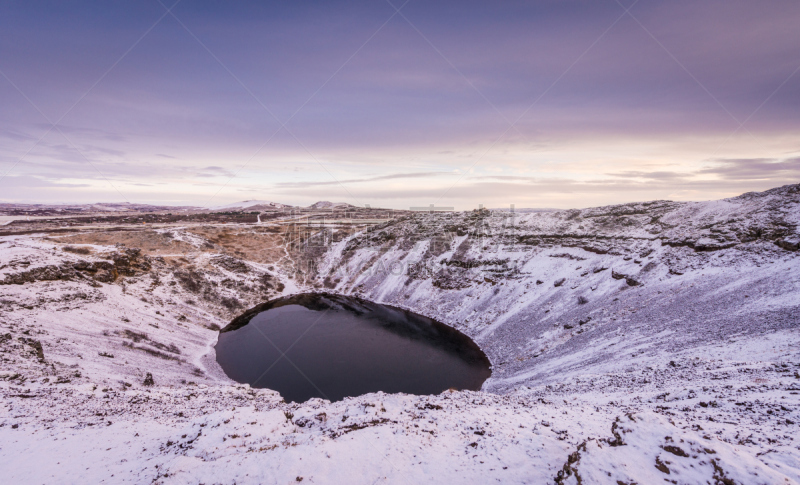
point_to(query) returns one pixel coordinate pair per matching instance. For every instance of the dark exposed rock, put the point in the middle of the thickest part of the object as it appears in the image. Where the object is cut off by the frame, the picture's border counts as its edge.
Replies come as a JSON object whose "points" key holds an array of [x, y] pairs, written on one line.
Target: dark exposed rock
{"points": [[268, 281], [129, 261], [231, 303], [191, 280], [37, 346], [449, 281], [662, 467], [230, 263], [44, 273], [104, 272], [125, 263], [568, 256], [596, 250], [708, 244], [790, 243], [148, 380], [476, 263], [628, 279], [571, 466], [675, 450]]}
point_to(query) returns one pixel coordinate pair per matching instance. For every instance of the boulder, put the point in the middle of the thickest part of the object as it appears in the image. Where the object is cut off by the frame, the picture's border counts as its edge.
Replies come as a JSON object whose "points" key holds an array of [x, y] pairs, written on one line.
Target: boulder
{"points": [[789, 243]]}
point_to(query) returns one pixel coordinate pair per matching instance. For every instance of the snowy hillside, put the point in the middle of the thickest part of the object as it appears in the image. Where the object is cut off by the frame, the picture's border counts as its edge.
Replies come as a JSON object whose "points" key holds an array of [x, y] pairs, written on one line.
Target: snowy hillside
{"points": [[634, 343], [324, 204], [555, 294], [251, 205]]}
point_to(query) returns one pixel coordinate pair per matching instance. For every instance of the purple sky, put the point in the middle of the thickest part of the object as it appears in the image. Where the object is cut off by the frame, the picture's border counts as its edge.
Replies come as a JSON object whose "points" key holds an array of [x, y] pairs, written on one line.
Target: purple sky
{"points": [[458, 103]]}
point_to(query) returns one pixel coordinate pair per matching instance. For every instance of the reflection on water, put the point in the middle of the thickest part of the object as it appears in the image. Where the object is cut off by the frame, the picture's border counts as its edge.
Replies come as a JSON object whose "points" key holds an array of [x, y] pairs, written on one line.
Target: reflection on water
{"points": [[332, 346]]}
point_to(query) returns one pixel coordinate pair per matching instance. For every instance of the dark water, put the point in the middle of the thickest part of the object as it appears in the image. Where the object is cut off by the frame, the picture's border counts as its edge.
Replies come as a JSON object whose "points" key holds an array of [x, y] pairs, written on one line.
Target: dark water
{"points": [[331, 346]]}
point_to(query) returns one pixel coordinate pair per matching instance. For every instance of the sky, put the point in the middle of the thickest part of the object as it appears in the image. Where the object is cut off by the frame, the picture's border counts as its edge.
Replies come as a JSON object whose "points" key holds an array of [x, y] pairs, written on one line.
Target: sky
{"points": [[397, 103]]}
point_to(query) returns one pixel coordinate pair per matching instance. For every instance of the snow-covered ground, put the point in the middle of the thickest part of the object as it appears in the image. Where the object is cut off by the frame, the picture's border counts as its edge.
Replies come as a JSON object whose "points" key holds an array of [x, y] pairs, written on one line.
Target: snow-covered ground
{"points": [[643, 343], [251, 205]]}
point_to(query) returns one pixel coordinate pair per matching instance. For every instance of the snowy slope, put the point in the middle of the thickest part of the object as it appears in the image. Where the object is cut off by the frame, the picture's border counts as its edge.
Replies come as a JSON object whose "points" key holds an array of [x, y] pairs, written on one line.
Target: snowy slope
{"points": [[549, 293], [630, 344], [324, 204], [251, 205]]}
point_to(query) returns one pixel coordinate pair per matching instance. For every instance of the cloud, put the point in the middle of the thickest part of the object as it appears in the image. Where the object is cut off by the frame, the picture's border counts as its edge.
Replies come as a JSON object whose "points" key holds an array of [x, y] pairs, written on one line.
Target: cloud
{"points": [[602, 123], [17, 188], [663, 176], [519, 178], [214, 171], [730, 169], [16, 136], [31, 182], [378, 178], [755, 169], [81, 132]]}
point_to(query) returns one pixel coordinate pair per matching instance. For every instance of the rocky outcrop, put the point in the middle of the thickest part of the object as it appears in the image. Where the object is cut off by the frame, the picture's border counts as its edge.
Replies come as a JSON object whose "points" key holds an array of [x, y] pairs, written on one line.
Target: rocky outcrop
{"points": [[128, 262], [628, 279], [789, 243], [43, 273], [231, 264]]}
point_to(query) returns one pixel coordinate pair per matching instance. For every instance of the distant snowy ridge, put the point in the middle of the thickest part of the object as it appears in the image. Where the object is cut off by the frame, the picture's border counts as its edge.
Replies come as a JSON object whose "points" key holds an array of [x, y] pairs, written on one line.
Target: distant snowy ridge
{"points": [[324, 204], [252, 205], [525, 210], [88, 208]]}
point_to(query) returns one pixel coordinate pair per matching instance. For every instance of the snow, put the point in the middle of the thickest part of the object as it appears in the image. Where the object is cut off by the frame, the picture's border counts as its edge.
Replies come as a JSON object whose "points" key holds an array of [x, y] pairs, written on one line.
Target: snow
{"points": [[250, 204], [324, 204], [684, 456], [181, 234], [690, 377], [400, 442]]}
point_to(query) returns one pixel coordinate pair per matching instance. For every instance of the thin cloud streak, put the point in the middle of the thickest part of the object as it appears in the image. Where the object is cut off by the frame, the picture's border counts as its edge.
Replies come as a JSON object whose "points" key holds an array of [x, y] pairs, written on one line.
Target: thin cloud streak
{"points": [[396, 176]]}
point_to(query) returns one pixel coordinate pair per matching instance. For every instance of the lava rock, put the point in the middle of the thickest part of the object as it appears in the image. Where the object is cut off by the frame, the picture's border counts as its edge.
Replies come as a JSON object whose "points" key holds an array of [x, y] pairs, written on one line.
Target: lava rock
{"points": [[628, 279], [789, 243], [231, 264]]}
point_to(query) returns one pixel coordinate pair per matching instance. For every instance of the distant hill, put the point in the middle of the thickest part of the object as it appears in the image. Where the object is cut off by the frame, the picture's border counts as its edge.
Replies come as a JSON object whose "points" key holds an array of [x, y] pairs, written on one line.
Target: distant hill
{"points": [[324, 204], [252, 205], [524, 209], [71, 209]]}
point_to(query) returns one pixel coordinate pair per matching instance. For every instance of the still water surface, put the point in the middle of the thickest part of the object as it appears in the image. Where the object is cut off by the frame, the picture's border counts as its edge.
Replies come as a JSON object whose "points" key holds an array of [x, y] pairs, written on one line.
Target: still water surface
{"points": [[332, 346]]}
